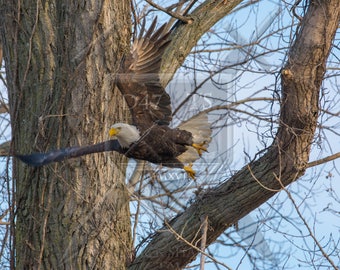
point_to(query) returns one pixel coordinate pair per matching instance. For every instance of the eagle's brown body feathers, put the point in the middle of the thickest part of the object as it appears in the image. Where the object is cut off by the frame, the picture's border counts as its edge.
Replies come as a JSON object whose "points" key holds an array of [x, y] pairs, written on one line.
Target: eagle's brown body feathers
{"points": [[161, 145]]}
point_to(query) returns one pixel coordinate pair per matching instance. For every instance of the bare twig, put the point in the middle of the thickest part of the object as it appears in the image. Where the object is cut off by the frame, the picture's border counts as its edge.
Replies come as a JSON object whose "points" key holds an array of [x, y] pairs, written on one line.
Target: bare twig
{"points": [[0, 54], [181, 238], [323, 160], [176, 15], [324, 254], [204, 230], [259, 182]]}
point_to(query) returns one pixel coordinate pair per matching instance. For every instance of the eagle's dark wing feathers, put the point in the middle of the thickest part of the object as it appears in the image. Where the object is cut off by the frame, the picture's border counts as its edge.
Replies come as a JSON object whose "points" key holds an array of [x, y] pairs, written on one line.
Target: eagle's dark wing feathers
{"points": [[40, 159], [139, 81]]}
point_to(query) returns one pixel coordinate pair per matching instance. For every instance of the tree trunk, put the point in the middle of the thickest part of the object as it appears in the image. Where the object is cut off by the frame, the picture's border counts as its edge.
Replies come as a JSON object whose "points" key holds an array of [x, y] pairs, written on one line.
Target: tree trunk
{"points": [[61, 58], [178, 242]]}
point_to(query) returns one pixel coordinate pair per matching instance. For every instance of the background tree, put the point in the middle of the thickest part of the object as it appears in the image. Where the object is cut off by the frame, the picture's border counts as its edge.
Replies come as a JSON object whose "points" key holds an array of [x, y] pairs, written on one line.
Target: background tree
{"points": [[61, 60]]}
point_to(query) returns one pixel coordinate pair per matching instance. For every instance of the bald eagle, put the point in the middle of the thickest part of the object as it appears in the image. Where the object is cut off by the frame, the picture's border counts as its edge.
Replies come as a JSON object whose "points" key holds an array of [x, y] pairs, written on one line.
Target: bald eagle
{"points": [[149, 137]]}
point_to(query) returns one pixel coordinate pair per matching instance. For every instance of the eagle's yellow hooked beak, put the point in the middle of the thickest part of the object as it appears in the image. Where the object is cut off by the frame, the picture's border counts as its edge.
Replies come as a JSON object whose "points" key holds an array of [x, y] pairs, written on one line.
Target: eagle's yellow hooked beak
{"points": [[113, 132]]}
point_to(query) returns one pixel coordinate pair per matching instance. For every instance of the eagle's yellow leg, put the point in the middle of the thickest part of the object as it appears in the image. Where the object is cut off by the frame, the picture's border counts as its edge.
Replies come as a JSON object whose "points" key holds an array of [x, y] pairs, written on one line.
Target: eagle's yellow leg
{"points": [[200, 147], [190, 171]]}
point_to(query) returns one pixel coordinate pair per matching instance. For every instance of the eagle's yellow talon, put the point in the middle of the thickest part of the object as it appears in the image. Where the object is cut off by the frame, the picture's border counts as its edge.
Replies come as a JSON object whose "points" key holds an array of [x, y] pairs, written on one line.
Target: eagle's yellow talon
{"points": [[200, 147], [190, 171]]}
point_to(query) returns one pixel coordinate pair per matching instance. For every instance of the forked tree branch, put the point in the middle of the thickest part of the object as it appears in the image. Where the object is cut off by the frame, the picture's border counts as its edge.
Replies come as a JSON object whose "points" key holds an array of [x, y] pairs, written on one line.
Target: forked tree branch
{"points": [[285, 160]]}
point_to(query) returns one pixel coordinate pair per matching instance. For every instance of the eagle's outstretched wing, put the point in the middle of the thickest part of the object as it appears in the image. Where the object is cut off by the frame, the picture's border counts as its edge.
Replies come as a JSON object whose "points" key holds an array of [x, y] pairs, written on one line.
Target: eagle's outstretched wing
{"points": [[138, 78], [40, 159]]}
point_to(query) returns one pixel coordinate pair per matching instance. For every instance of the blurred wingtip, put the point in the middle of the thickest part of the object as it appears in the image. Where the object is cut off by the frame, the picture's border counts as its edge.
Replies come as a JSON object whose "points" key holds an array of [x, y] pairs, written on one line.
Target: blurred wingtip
{"points": [[36, 159]]}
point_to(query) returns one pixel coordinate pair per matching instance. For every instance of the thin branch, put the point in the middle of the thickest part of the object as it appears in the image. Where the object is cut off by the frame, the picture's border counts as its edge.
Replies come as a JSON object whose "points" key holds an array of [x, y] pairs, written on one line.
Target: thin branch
{"points": [[259, 182], [325, 255], [30, 44], [0, 54], [204, 230], [181, 238], [176, 15], [323, 160]]}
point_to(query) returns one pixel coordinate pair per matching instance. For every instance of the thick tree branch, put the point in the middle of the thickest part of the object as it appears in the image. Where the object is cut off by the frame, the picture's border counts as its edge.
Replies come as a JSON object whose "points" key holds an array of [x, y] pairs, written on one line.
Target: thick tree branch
{"points": [[285, 160]]}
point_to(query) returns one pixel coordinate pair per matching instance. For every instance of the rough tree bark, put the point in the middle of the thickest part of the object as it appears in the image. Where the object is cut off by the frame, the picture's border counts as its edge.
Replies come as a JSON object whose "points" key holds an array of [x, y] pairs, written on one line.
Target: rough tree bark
{"points": [[178, 242], [61, 58]]}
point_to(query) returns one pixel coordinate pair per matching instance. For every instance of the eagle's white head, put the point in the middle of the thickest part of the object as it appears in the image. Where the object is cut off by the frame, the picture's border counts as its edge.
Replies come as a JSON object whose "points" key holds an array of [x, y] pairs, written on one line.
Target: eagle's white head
{"points": [[126, 134]]}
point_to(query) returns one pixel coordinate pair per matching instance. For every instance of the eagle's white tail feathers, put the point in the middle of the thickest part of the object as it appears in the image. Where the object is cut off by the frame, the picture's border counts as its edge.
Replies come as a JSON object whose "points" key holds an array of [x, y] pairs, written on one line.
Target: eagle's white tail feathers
{"points": [[200, 129]]}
